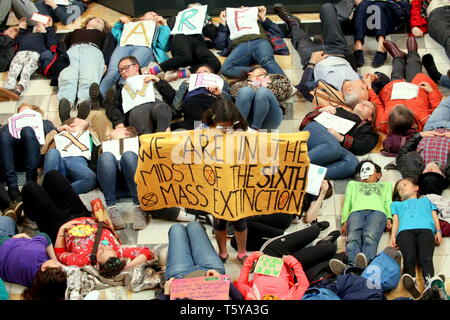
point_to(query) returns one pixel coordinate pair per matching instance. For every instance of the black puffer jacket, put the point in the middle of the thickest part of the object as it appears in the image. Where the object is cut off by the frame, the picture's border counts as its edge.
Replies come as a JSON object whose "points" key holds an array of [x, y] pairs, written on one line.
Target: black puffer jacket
{"points": [[7, 51]]}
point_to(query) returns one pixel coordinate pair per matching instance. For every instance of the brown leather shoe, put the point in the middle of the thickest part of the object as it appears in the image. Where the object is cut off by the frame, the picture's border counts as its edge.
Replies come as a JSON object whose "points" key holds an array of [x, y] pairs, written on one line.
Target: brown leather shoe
{"points": [[411, 44], [393, 50]]}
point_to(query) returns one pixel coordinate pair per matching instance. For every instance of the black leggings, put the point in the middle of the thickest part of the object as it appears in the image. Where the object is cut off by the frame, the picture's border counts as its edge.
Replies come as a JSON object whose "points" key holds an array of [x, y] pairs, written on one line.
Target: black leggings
{"points": [[417, 245], [52, 204], [150, 117], [190, 51]]}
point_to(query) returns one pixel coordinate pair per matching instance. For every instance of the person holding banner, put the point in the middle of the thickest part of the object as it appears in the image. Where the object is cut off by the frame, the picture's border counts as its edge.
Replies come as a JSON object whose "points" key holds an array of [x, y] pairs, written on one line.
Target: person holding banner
{"points": [[89, 50], [259, 97], [144, 111], [188, 46], [116, 176], [150, 49], [23, 151], [247, 35], [66, 14]]}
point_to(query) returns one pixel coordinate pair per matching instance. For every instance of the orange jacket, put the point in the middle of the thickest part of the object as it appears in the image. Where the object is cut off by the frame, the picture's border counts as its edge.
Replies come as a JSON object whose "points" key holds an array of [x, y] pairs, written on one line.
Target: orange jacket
{"points": [[422, 106]]}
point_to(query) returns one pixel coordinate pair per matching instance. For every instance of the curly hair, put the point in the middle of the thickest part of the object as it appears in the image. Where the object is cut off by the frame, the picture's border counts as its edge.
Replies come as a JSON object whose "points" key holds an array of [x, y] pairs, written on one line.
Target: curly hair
{"points": [[112, 267]]}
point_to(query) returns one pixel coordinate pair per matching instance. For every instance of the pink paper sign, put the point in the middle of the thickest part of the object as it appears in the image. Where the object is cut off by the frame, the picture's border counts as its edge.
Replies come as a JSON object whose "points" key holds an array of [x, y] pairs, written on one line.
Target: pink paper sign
{"points": [[201, 288]]}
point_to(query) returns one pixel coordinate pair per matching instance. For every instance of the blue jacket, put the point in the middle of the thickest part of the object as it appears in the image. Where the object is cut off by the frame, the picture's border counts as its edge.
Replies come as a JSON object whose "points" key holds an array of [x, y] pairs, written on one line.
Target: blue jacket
{"points": [[274, 33], [160, 43]]}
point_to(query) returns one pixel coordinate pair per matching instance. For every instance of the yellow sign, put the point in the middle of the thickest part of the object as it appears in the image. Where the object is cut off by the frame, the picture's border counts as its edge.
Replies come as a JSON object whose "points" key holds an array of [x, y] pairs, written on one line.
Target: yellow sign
{"points": [[230, 175]]}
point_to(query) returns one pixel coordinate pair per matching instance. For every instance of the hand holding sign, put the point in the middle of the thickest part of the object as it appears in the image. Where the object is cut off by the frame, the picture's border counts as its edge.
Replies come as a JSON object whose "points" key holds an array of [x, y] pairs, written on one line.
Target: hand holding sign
{"points": [[138, 33], [206, 80], [242, 21], [27, 118], [190, 21]]}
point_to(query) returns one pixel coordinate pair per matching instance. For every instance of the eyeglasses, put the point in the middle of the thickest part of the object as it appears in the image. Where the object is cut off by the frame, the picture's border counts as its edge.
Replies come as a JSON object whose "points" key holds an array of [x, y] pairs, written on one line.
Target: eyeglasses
{"points": [[125, 68]]}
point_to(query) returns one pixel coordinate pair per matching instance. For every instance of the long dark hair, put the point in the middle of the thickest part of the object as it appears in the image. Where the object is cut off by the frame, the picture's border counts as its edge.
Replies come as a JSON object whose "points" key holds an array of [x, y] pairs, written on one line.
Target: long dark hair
{"points": [[50, 284], [224, 111], [396, 194]]}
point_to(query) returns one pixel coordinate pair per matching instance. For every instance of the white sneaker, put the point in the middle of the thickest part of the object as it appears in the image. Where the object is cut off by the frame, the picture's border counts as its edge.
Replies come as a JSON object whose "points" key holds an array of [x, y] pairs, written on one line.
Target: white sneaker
{"points": [[410, 284]]}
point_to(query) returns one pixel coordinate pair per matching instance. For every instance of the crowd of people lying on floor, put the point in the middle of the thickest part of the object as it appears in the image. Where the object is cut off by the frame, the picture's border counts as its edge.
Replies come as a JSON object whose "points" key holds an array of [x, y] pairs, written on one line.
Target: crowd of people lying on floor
{"points": [[93, 69]]}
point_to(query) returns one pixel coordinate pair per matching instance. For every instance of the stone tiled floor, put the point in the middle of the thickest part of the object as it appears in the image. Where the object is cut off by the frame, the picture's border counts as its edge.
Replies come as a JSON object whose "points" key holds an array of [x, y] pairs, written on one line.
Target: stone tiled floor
{"points": [[39, 92]]}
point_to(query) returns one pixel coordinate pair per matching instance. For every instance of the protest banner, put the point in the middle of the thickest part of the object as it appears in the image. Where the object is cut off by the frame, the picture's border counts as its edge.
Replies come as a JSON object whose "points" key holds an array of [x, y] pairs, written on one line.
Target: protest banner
{"points": [[269, 266], [230, 175], [201, 288], [242, 21], [27, 118], [190, 21], [138, 33]]}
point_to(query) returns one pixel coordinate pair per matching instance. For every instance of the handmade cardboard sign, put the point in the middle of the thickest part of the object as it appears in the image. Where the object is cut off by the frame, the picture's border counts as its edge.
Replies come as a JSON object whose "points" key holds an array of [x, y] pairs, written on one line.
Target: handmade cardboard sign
{"points": [[316, 174], [230, 175], [201, 288], [27, 118], [190, 21], [136, 92], [331, 121], [269, 266], [242, 21], [205, 80], [40, 18], [119, 146], [138, 34], [74, 144]]}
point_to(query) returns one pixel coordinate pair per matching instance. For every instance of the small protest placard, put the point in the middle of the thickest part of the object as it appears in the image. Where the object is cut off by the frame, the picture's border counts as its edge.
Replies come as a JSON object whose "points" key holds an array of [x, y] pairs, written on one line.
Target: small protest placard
{"points": [[74, 144], [138, 33], [242, 21], [201, 288], [205, 80], [40, 18], [331, 121], [404, 90], [269, 266], [190, 21], [27, 118], [119, 146], [316, 174], [136, 92]]}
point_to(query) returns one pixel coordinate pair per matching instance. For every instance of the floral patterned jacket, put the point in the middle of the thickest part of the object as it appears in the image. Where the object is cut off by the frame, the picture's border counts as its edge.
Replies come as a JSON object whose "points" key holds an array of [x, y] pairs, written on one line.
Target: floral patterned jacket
{"points": [[279, 85]]}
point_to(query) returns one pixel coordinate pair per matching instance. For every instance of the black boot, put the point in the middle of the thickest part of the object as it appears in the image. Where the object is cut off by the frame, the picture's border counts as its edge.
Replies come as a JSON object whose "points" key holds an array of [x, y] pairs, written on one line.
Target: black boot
{"points": [[284, 15], [430, 66]]}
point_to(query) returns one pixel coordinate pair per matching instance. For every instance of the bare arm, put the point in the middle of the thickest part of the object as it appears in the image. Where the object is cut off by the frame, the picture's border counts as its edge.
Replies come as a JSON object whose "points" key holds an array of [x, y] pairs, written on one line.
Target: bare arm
{"points": [[136, 261]]}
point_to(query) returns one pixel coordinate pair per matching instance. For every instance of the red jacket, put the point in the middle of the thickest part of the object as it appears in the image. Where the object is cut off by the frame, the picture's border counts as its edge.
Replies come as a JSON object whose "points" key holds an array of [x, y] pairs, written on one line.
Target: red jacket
{"points": [[416, 19], [422, 106], [282, 287]]}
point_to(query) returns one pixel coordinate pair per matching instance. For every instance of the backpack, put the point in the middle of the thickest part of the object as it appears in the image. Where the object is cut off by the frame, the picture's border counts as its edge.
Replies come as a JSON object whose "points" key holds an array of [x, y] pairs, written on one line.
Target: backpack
{"points": [[319, 294], [382, 273]]}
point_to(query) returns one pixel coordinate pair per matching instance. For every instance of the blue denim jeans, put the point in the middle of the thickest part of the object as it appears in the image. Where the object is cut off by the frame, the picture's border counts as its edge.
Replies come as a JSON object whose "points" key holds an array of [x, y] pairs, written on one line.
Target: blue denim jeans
{"points": [[143, 54], [440, 118], [7, 226], [247, 53], [259, 107], [75, 169], [364, 229], [326, 151], [25, 150], [86, 66], [116, 178], [190, 250], [445, 81]]}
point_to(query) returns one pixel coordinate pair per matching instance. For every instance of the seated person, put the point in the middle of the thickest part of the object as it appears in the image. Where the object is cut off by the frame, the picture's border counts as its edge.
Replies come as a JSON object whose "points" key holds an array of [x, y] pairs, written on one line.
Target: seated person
{"points": [[391, 16], [61, 13], [407, 67], [433, 17], [73, 230], [89, 49], [247, 50], [259, 97], [75, 168], [31, 43], [116, 179], [187, 51], [149, 117], [30, 262], [8, 40], [21, 153], [143, 54], [335, 151]]}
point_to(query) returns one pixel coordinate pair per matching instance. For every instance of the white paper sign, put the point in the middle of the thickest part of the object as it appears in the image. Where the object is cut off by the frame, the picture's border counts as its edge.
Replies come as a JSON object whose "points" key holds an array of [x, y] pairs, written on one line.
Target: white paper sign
{"points": [[62, 2], [74, 144], [136, 92], [119, 146], [316, 174], [404, 90], [39, 18], [27, 118], [190, 21], [205, 80], [331, 121], [138, 34], [242, 21]]}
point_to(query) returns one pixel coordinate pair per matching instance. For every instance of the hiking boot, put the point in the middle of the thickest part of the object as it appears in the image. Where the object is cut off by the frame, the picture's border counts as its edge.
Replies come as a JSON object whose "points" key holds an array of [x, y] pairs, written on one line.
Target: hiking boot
{"points": [[10, 94], [409, 283], [361, 260], [116, 218], [94, 95], [64, 110], [337, 266], [330, 238], [84, 108], [140, 218], [110, 95], [281, 11]]}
